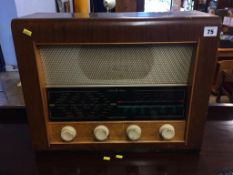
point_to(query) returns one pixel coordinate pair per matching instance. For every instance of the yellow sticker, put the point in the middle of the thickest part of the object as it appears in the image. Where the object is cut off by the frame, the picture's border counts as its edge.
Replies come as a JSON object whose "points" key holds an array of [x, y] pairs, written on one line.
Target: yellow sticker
{"points": [[119, 156], [106, 158], [27, 32]]}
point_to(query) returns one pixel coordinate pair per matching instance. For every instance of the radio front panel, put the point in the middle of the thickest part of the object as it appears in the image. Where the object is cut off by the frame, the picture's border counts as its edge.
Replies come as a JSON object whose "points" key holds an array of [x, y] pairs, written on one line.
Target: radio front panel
{"points": [[116, 81], [150, 133]]}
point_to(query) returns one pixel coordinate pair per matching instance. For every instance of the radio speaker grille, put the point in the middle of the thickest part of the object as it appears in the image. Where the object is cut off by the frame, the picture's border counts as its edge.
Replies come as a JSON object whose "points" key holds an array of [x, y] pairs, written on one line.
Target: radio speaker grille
{"points": [[116, 65]]}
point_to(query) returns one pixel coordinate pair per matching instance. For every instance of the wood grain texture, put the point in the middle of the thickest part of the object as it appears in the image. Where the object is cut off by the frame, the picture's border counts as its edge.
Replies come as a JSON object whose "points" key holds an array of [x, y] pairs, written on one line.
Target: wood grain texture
{"points": [[31, 85], [119, 28], [202, 80], [150, 131]]}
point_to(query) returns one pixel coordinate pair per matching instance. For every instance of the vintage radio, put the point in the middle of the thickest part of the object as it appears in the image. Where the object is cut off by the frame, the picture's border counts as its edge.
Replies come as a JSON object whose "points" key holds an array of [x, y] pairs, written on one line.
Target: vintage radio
{"points": [[116, 81]]}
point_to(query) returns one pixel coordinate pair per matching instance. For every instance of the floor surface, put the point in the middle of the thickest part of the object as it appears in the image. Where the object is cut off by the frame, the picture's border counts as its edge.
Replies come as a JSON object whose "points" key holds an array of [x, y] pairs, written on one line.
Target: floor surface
{"points": [[10, 93]]}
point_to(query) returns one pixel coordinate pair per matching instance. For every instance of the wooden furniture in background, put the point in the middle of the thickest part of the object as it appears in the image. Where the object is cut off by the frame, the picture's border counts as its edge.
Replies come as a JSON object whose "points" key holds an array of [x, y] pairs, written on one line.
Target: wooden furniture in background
{"points": [[224, 62], [224, 58], [226, 84], [224, 53]]}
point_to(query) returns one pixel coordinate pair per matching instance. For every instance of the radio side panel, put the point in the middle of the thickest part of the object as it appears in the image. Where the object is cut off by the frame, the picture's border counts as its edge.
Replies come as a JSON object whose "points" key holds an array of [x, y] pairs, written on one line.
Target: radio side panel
{"points": [[111, 31]]}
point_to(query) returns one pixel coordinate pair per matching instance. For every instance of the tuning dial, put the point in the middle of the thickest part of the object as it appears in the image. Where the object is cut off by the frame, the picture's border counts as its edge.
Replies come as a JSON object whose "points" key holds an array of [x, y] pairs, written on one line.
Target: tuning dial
{"points": [[68, 133], [101, 133], [167, 132], [134, 132]]}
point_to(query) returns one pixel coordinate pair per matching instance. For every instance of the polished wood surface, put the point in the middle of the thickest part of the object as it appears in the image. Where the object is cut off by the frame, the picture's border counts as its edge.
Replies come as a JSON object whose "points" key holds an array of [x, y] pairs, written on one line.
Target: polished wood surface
{"points": [[117, 28], [85, 130], [17, 156], [142, 15]]}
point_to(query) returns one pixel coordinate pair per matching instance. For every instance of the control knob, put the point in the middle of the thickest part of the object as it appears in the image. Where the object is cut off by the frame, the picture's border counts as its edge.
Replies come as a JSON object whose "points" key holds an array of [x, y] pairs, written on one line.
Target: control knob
{"points": [[101, 133], [68, 133], [167, 132], [134, 132]]}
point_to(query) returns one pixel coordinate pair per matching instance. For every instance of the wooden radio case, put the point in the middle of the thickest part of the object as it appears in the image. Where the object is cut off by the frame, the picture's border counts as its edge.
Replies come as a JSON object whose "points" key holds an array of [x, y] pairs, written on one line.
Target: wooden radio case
{"points": [[116, 81]]}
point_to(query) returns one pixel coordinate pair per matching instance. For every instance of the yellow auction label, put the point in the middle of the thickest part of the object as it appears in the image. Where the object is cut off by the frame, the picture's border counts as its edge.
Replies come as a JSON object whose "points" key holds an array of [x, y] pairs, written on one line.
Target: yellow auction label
{"points": [[119, 156], [27, 32], [106, 158]]}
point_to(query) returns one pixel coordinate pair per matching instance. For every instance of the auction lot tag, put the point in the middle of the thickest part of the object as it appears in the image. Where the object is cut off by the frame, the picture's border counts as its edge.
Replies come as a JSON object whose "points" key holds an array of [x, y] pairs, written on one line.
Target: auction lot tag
{"points": [[210, 31]]}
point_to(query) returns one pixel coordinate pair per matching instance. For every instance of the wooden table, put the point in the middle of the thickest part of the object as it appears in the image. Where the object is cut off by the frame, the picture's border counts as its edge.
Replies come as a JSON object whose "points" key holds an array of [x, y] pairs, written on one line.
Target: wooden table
{"points": [[17, 156]]}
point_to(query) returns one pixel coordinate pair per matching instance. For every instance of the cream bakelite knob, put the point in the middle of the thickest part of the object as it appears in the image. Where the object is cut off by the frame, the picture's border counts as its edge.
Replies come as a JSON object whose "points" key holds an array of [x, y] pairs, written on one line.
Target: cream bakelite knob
{"points": [[134, 132], [101, 133], [167, 132], [68, 133]]}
